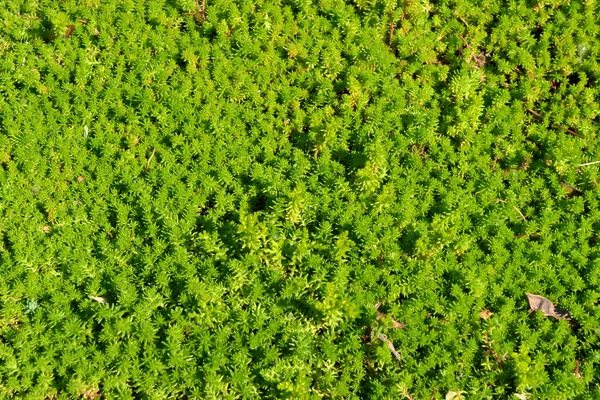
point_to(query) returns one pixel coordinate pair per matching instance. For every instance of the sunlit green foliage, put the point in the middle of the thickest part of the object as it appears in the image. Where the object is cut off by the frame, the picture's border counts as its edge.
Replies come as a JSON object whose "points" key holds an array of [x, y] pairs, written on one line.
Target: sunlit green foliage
{"points": [[241, 184]]}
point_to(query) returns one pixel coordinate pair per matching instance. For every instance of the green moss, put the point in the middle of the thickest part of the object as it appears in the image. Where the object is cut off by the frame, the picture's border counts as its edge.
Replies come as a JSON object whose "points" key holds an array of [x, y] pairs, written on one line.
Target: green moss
{"points": [[210, 202]]}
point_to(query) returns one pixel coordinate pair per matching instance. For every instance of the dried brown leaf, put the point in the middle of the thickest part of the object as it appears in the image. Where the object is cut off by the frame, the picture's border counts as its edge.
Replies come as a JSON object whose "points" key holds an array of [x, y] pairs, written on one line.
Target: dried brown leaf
{"points": [[454, 395], [380, 315], [69, 30], [571, 190], [485, 314], [540, 303], [395, 324], [99, 299], [92, 394]]}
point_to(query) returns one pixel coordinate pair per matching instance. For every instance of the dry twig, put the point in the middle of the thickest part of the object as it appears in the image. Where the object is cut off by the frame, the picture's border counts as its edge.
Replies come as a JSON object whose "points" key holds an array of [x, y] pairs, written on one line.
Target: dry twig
{"points": [[565, 128], [569, 130], [390, 346], [202, 10], [488, 346], [589, 163], [495, 161], [150, 159], [520, 213]]}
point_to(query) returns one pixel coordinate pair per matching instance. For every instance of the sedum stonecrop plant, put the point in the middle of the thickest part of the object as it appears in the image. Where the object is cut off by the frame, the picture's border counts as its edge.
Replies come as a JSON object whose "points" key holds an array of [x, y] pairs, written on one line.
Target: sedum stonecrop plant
{"points": [[237, 199]]}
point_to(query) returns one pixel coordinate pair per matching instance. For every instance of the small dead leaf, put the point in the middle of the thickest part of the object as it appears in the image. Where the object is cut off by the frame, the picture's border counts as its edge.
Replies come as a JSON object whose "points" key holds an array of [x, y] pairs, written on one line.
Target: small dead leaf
{"points": [[454, 395], [571, 190], [380, 315], [80, 179], [69, 30], [95, 32], [91, 393], [395, 324], [485, 314], [539, 303], [99, 299], [45, 229], [522, 396]]}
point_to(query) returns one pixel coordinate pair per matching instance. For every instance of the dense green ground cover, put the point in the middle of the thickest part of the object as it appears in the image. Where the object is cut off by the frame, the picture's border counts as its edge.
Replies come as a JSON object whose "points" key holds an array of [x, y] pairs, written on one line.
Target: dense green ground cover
{"points": [[210, 202]]}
